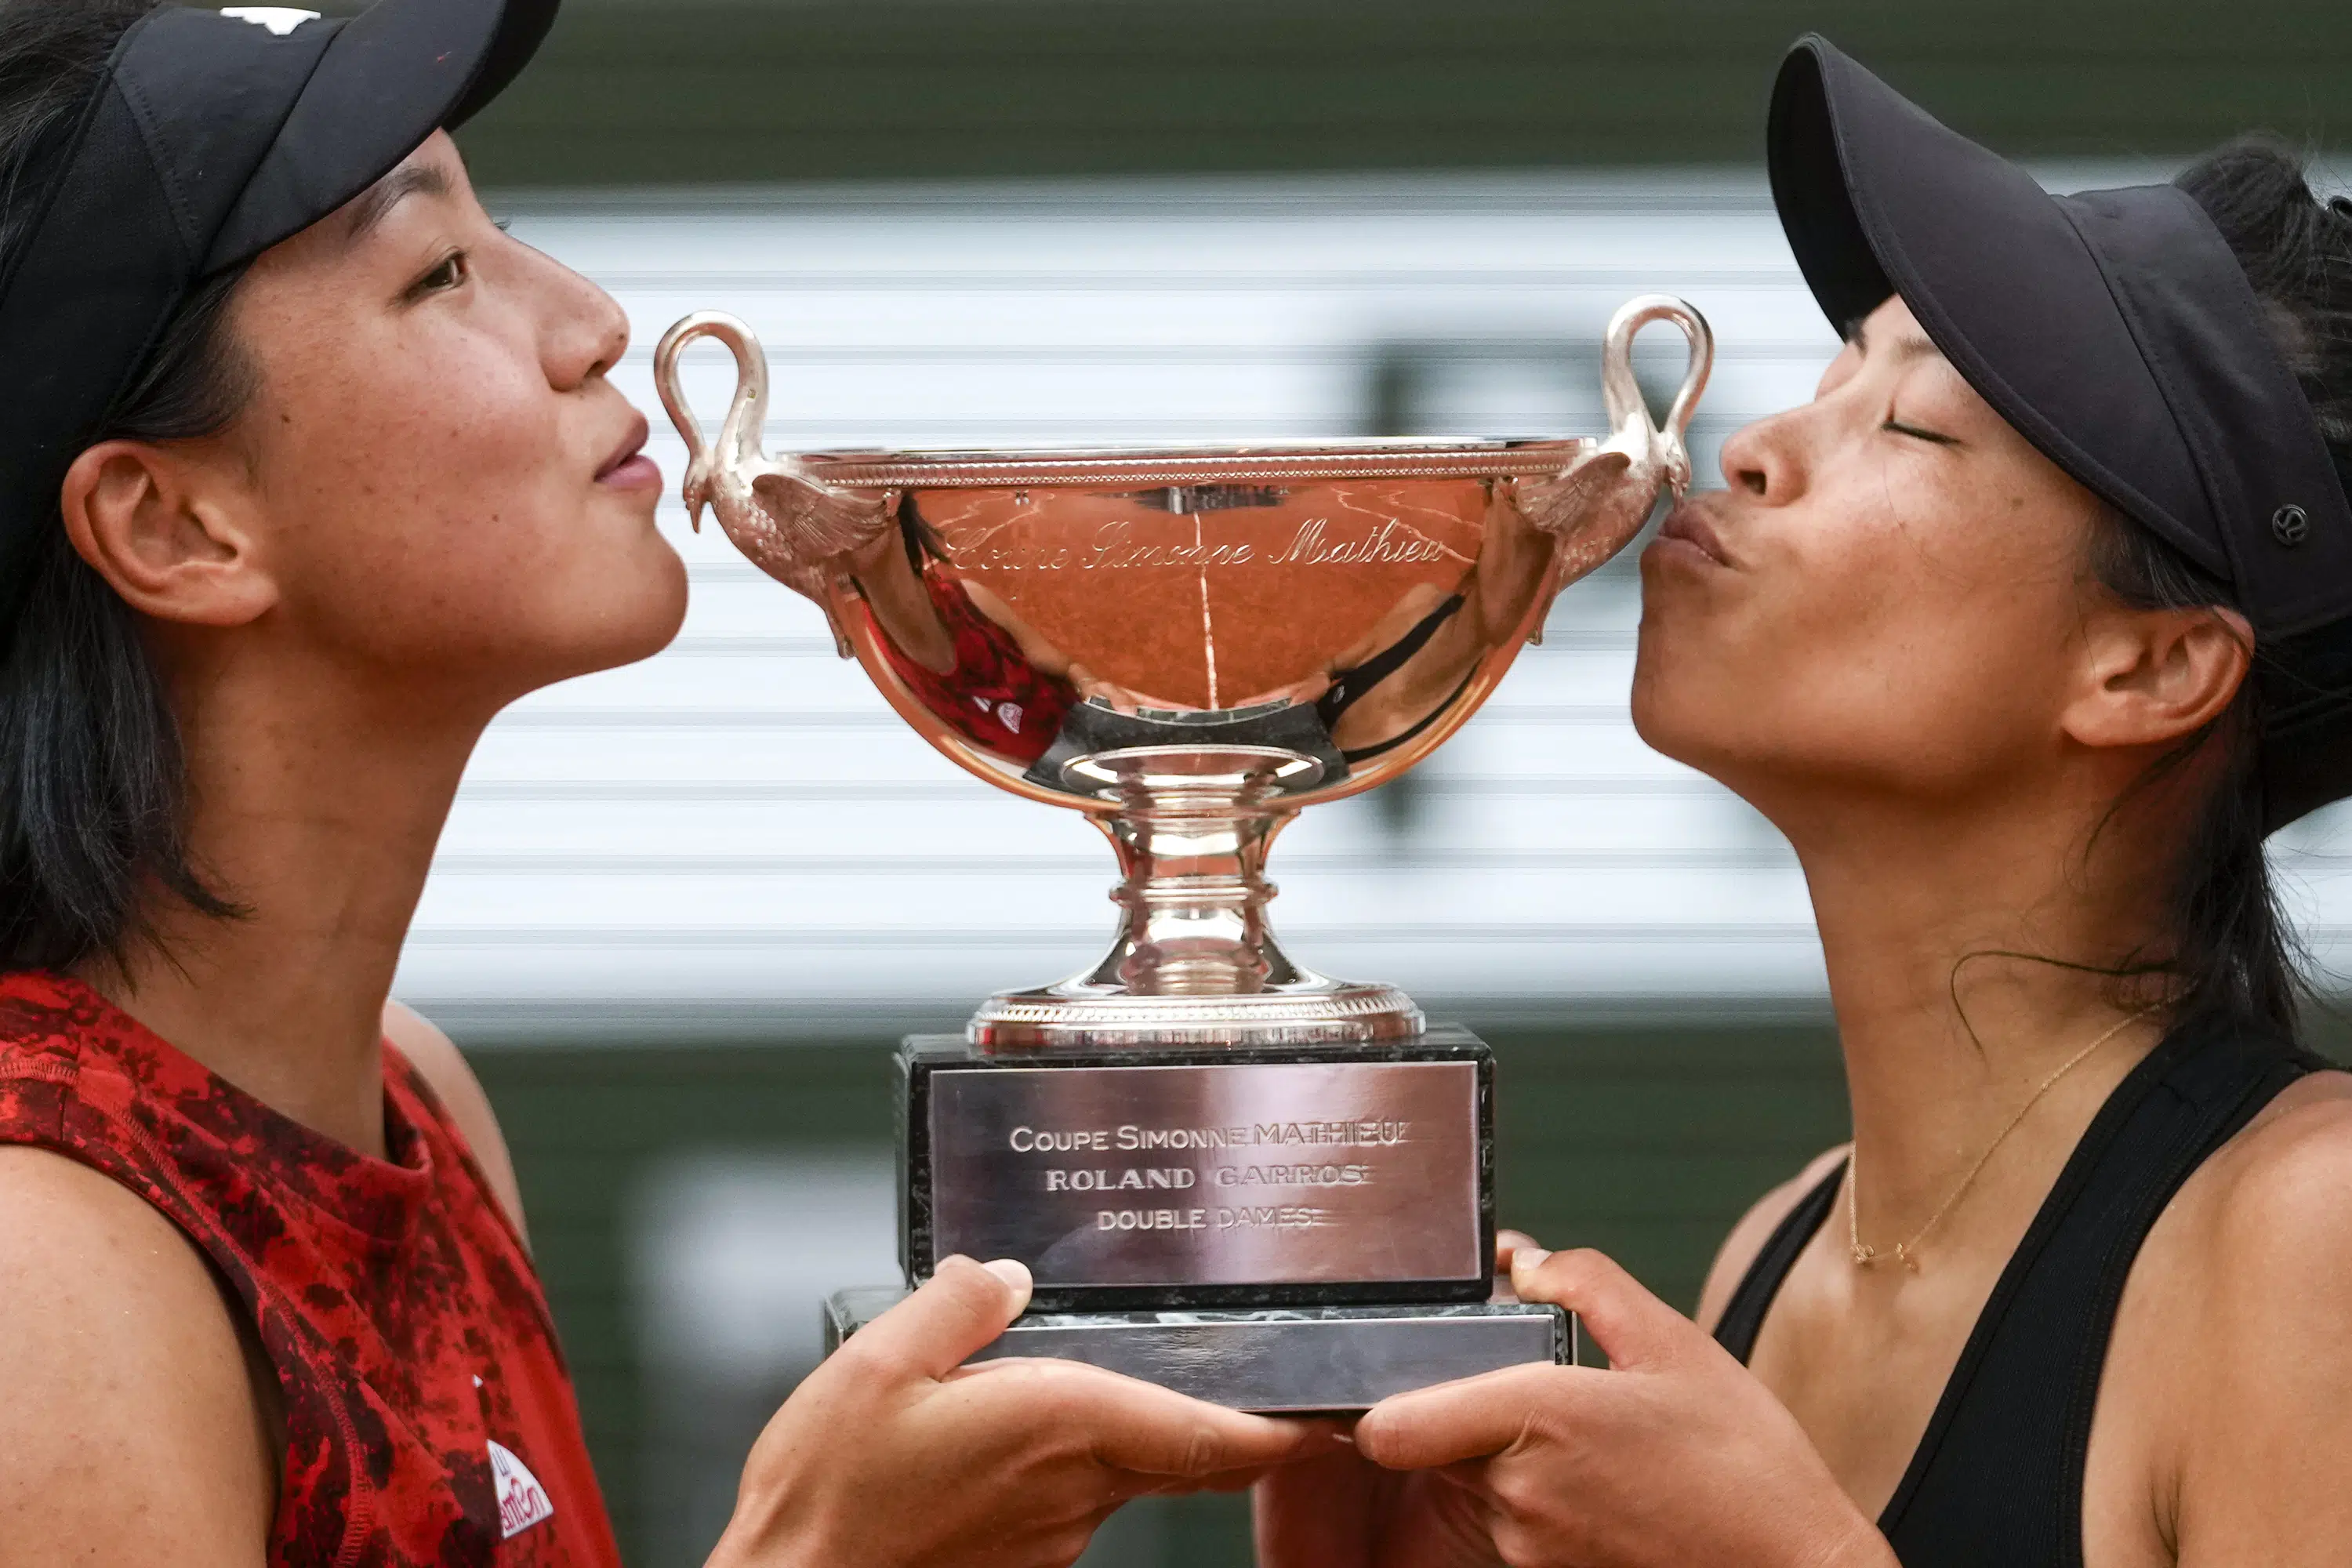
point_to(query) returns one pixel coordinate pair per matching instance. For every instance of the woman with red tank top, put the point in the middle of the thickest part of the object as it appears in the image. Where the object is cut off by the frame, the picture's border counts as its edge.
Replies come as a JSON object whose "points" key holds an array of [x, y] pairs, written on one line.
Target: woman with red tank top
{"points": [[305, 470]]}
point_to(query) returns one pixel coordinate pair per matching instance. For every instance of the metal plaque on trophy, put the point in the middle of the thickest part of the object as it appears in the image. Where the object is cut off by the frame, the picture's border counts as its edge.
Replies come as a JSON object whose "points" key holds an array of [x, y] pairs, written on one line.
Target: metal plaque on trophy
{"points": [[1227, 1173]]}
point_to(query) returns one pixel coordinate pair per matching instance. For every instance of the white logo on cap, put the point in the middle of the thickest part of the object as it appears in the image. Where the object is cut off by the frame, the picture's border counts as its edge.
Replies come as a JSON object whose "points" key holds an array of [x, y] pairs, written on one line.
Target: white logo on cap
{"points": [[279, 19]]}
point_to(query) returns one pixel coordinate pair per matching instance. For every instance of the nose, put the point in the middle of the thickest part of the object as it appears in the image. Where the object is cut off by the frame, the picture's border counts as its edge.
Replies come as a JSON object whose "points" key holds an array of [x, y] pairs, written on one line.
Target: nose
{"points": [[1766, 459], [586, 330]]}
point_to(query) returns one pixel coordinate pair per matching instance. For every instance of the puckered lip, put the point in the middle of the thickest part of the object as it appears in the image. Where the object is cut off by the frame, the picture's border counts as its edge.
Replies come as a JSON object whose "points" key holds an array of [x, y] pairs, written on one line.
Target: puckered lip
{"points": [[1688, 523], [632, 443]]}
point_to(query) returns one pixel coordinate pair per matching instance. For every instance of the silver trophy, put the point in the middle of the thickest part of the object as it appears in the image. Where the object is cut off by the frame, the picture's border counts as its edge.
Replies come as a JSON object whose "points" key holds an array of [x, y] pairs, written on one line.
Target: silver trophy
{"points": [[1227, 1173]]}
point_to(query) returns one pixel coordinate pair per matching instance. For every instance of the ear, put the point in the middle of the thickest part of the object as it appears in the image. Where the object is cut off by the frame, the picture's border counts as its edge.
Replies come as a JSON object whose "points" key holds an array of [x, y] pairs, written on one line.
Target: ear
{"points": [[161, 527], [2155, 676]]}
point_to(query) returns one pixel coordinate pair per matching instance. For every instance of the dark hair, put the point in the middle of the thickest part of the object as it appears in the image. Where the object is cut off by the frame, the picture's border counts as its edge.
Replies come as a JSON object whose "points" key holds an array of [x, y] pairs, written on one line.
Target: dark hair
{"points": [[93, 789], [2229, 950]]}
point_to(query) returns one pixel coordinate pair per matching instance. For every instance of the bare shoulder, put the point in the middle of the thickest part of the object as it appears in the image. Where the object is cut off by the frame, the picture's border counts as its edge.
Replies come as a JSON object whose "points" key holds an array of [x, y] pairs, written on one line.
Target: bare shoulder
{"points": [[435, 1055], [2259, 1259], [134, 1426], [2275, 1202], [1756, 1226]]}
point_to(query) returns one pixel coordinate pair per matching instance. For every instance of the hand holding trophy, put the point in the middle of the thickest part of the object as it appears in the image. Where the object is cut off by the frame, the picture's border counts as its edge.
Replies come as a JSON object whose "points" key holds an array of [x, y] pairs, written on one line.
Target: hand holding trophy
{"points": [[1228, 1173]]}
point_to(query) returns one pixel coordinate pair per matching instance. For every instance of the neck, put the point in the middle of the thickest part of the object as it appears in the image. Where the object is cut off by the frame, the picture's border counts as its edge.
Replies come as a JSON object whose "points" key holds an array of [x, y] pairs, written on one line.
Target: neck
{"points": [[314, 803], [1947, 1038]]}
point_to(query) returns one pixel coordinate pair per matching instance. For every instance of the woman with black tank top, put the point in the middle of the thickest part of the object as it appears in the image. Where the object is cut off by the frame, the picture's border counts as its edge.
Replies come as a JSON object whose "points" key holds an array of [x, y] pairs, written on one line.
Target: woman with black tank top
{"points": [[2026, 631]]}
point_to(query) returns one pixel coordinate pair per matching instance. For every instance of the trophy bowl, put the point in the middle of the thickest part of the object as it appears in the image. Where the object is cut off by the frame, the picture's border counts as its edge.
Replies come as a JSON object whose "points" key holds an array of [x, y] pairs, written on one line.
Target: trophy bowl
{"points": [[1190, 645]]}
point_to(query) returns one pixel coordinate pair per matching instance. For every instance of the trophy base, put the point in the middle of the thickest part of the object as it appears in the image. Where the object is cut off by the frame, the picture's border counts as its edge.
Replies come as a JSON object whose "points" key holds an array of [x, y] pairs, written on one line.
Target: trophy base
{"points": [[1311, 1011], [1273, 1360]]}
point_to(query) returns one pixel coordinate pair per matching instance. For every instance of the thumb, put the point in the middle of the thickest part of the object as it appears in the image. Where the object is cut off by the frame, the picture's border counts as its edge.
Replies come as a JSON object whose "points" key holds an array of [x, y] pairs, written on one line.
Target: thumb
{"points": [[962, 1309], [1510, 1244], [1632, 1327]]}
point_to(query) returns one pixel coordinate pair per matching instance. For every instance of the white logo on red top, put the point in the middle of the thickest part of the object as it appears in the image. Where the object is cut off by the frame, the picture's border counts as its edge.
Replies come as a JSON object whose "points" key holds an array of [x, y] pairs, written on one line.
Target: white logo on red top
{"points": [[1008, 714], [522, 1501]]}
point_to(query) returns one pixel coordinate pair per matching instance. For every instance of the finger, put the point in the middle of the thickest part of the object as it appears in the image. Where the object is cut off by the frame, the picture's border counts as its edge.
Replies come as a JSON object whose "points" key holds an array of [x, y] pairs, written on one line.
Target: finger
{"points": [[1466, 1420], [1144, 1428], [962, 1308], [1155, 1431], [1632, 1327], [1509, 1244], [1218, 1481]]}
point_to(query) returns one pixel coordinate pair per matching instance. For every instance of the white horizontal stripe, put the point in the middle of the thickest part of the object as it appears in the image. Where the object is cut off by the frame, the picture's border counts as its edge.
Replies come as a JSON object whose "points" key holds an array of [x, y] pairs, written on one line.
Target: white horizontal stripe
{"points": [[741, 823]]}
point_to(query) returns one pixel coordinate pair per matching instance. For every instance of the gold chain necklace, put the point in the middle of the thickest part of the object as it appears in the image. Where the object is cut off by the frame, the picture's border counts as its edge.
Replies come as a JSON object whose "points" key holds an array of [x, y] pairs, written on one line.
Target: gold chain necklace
{"points": [[1906, 1252]]}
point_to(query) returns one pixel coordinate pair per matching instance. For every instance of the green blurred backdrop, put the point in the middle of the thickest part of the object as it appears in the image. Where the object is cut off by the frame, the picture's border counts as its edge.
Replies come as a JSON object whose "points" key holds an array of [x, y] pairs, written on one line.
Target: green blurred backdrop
{"points": [[634, 90]]}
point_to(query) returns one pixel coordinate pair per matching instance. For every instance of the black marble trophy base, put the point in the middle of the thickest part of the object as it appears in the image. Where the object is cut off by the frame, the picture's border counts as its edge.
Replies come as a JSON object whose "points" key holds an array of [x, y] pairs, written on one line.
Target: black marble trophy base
{"points": [[1273, 1360]]}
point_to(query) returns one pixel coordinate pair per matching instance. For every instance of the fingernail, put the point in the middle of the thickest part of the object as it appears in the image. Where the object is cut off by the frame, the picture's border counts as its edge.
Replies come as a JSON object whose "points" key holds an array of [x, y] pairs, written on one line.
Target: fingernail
{"points": [[1528, 1257], [1013, 1273]]}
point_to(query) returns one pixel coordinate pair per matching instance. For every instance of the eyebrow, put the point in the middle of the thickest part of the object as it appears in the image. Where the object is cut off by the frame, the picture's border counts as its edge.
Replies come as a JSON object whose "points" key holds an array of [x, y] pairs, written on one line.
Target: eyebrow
{"points": [[408, 180], [1909, 346]]}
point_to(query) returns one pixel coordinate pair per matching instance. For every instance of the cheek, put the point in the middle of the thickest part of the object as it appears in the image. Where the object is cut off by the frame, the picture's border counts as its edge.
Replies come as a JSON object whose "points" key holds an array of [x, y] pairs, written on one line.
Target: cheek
{"points": [[426, 528], [418, 485], [1858, 653]]}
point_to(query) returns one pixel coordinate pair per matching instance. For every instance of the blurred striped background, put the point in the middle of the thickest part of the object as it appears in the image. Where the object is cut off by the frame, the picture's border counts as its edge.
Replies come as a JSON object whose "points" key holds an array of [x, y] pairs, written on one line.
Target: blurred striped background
{"points": [[740, 828]]}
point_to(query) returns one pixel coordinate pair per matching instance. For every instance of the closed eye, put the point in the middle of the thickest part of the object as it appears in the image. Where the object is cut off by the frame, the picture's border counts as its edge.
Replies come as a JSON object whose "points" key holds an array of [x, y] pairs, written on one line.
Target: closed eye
{"points": [[1896, 427]]}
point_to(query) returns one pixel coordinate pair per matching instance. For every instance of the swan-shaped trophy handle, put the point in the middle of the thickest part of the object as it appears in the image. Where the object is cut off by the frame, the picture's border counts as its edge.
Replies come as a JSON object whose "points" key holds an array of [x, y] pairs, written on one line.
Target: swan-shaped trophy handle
{"points": [[1630, 429], [790, 525], [1600, 502]]}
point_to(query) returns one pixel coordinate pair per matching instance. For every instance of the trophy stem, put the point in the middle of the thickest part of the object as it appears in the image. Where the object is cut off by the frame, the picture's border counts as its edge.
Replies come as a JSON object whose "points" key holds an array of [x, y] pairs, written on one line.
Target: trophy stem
{"points": [[1191, 842], [1195, 961]]}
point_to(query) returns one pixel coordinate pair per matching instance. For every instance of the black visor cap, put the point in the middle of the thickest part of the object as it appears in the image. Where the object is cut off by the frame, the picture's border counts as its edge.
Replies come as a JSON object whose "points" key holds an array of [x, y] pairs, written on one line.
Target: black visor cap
{"points": [[389, 78], [2116, 331]]}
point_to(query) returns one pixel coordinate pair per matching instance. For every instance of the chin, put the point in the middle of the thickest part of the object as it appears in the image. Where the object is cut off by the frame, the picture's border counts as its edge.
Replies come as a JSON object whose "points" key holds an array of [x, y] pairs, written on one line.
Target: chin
{"points": [[1659, 714], [1661, 734], [1696, 729], [604, 625], [650, 621]]}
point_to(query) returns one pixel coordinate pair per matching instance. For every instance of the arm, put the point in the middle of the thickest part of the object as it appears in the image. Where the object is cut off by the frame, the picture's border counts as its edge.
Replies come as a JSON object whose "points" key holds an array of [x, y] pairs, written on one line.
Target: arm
{"points": [[433, 1054], [900, 603], [133, 1427], [2263, 1422], [1043, 656]]}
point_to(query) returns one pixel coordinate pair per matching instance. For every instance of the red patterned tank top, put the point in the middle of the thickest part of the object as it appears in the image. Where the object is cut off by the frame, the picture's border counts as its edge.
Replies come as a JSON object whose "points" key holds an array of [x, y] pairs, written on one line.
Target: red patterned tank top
{"points": [[994, 697], [429, 1418]]}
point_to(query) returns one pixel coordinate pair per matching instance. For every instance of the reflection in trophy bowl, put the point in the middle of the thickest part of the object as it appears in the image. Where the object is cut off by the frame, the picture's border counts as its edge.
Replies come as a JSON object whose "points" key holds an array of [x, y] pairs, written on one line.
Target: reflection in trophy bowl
{"points": [[1191, 645]]}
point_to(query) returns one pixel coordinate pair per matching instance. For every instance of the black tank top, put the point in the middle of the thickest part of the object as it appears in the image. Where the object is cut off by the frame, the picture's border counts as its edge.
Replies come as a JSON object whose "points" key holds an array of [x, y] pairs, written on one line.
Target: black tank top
{"points": [[1349, 687], [1998, 1478]]}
